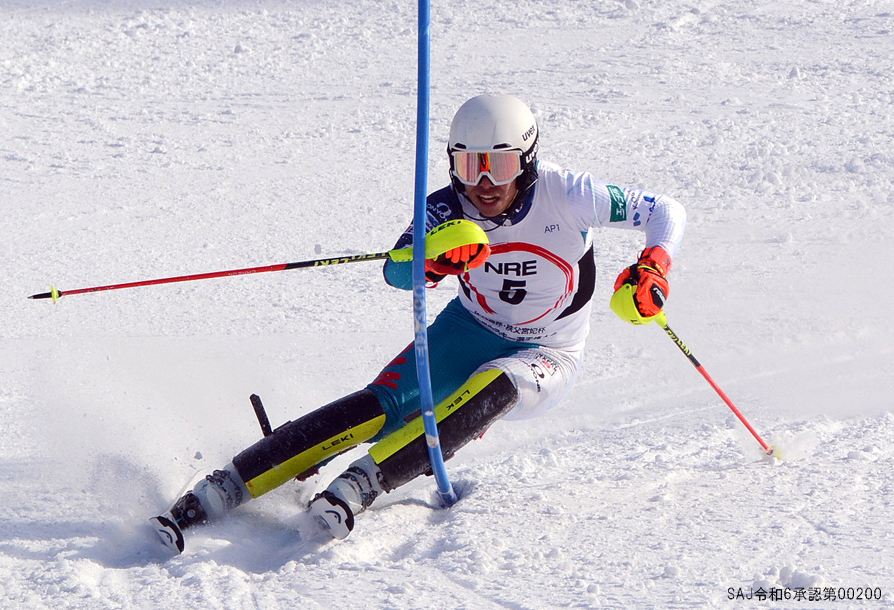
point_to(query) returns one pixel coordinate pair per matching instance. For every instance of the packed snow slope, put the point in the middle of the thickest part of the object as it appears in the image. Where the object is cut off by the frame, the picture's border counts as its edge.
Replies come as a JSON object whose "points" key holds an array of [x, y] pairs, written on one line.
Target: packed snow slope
{"points": [[150, 138]]}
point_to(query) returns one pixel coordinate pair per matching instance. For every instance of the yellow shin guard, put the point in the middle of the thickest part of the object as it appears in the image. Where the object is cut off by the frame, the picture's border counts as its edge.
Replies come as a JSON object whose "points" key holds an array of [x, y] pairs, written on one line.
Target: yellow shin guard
{"points": [[464, 415], [297, 447]]}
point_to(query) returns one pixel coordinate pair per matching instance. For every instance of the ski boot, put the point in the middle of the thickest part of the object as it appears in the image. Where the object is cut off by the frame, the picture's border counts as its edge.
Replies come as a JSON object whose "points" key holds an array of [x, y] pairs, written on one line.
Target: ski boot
{"points": [[352, 492], [215, 495]]}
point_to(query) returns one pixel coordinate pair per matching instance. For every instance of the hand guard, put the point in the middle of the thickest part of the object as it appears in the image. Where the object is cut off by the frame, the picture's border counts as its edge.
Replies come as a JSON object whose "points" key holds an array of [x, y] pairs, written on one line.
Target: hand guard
{"points": [[642, 289], [456, 261]]}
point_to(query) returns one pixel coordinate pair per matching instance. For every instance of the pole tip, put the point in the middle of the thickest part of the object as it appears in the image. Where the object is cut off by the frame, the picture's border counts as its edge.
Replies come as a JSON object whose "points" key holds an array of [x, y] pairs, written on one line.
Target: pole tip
{"points": [[773, 454], [52, 294]]}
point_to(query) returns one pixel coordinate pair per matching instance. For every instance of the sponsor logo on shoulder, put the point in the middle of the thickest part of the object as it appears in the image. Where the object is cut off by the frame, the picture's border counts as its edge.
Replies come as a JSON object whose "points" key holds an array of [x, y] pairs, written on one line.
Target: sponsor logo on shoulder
{"points": [[618, 203]]}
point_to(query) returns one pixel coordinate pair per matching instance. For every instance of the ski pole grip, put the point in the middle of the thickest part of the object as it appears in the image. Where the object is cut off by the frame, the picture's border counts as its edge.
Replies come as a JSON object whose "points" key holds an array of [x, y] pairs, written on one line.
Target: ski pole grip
{"points": [[443, 238]]}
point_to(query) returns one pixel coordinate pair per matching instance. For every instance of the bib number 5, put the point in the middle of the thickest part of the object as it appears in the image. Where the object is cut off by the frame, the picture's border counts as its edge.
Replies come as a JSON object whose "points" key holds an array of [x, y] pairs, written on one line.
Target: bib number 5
{"points": [[513, 291]]}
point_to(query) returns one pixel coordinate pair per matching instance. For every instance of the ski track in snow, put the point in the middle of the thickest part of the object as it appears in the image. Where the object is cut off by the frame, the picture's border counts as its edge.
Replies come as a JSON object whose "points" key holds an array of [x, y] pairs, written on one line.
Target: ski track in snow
{"points": [[147, 139]]}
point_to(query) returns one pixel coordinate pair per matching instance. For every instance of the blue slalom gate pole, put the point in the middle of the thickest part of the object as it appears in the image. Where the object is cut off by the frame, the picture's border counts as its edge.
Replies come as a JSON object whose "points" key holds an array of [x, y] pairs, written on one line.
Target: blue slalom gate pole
{"points": [[423, 371]]}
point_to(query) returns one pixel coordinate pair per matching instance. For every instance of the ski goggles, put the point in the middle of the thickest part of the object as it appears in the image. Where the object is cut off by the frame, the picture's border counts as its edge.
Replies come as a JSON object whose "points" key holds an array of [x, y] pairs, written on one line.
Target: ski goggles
{"points": [[501, 167]]}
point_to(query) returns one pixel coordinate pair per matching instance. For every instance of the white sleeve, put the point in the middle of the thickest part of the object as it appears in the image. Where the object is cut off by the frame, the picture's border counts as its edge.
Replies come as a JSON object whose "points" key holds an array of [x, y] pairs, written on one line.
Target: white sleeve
{"points": [[662, 218], [594, 203]]}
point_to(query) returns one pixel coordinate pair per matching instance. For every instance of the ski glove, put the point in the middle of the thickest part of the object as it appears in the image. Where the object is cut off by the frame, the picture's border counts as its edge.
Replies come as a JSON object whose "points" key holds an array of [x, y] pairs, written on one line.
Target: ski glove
{"points": [[456, 261], [642, 289]]}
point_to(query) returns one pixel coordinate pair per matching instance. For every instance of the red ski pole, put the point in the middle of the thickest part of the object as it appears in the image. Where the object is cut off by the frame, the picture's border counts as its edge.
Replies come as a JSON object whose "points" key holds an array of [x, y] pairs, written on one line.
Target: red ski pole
{"points": [[441, 239], [338, 260], [662, 322]]}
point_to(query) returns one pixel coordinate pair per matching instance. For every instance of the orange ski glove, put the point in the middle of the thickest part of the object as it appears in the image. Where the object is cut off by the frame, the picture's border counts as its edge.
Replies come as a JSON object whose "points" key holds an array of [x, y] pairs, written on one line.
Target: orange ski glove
{"points": [[456, 261], [642, 289]]}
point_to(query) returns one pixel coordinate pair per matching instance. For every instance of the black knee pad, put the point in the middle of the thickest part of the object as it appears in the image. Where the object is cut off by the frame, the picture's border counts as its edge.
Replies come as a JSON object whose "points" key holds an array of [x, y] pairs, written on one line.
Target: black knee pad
{"points": [[298, 446], [464, 415]]}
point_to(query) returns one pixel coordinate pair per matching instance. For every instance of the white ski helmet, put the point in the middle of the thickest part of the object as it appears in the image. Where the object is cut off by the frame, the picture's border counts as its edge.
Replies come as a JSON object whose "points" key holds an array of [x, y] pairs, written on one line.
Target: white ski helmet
{"points": [[496, 123]]}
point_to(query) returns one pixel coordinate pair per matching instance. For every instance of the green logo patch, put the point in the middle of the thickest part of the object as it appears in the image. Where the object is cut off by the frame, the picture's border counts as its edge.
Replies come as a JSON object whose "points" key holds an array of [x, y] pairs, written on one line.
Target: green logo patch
{"points": [[619, 204]]}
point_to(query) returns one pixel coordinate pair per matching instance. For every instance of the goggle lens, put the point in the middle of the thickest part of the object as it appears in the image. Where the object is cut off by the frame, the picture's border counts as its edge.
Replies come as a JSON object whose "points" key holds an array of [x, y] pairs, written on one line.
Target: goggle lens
{"points": [[501, 167]]}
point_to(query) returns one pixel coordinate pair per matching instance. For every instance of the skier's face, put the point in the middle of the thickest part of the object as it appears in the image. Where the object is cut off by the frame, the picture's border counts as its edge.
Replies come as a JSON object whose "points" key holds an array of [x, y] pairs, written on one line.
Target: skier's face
{"points": [[489, 199]]}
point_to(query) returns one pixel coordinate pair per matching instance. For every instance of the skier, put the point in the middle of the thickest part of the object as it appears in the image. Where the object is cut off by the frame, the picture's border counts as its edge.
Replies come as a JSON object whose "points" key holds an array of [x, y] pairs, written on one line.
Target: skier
{"points": [[508, 346]]}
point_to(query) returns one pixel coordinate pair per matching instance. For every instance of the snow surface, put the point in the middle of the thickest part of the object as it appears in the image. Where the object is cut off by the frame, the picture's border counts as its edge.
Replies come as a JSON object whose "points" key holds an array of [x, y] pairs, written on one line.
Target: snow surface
{"points": [[147, 138]]}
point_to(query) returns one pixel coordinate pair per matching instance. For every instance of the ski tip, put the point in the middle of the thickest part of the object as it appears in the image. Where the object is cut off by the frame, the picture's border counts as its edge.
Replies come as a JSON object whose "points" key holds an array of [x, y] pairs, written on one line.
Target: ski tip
{"points": [[168, 532]]}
